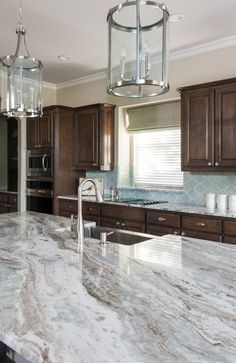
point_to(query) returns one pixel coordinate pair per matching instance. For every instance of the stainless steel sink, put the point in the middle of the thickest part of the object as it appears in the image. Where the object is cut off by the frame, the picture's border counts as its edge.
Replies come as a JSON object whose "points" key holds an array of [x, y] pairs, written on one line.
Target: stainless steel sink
{"points": [[127, 238]]}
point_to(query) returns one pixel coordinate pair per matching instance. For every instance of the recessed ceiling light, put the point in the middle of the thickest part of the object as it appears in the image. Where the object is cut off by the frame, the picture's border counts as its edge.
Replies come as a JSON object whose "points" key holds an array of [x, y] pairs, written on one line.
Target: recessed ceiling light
{"points": [[177, 17], [64, 58]]}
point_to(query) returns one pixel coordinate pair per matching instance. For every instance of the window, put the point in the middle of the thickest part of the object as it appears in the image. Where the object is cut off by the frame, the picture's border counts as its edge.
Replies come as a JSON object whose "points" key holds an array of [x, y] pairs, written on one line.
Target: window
{"points": [[156, 158]]}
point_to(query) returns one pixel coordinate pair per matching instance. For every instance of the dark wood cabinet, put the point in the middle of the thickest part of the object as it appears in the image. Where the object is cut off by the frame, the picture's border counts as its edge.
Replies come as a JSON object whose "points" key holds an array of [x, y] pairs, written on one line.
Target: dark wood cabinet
{"points": [[91, 210], [208, 126], [8, 202], [122, 217], [229, 230], [94, 133], [202, 227], [40, 131], [161, 223]]}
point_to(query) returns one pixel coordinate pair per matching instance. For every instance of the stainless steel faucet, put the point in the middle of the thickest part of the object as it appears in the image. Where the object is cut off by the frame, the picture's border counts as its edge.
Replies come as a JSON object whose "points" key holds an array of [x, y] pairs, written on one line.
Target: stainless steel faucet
{"points": [[99, 199]]}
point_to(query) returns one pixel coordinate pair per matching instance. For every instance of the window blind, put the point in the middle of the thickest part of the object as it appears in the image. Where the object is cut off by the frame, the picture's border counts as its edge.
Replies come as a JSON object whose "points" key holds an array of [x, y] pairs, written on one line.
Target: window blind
{"points": [[161, 115], [156, 158]]}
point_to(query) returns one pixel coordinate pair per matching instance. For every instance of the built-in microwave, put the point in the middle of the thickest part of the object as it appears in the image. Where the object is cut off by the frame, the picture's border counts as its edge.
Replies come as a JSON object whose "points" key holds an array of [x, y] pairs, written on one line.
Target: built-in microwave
{"points": [[40, 163]]}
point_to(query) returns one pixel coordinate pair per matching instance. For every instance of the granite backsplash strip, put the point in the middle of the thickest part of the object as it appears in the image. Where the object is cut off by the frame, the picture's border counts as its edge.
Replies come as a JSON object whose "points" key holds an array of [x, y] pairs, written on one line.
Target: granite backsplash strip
{"points": [[196, 186]]}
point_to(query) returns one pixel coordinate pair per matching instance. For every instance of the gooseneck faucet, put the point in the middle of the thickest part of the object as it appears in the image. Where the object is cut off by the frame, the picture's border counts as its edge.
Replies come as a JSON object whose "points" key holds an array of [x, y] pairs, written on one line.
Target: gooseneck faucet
{"points": [[99, 199]]}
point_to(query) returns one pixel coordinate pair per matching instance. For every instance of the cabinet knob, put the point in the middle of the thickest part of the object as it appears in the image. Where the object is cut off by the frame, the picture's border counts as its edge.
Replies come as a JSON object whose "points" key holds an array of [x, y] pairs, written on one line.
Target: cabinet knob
{"points": [[161, 219], [175, 232], [117, 223], [122, 224], [209, 164], [70, 206], [94, 164], [216, 163], [90, 209], [183, 234]]}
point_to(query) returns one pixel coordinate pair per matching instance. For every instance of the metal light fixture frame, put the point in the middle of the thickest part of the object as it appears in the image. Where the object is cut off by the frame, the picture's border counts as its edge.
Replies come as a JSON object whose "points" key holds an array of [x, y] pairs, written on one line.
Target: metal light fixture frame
{"points": [[159, 87], [10, 62]]}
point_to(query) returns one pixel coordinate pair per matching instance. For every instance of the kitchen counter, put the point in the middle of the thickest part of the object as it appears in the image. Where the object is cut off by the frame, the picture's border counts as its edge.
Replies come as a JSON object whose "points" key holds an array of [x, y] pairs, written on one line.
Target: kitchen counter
{"points": [[170, 299], [170, 207]]}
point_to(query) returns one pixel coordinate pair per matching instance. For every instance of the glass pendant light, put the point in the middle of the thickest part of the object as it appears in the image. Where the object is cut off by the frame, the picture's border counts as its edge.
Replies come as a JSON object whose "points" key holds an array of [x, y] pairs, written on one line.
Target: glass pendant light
{"points": [[138, 49], [21, 79]]}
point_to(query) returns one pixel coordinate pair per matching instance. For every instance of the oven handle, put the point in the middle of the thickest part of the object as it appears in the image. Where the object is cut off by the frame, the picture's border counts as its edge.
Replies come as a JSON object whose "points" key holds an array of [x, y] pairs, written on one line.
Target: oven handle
{"points": [[45, 165]]}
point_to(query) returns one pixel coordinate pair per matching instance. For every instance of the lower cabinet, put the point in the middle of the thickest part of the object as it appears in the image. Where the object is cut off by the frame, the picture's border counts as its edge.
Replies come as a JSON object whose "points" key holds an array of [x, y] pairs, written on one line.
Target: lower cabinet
{"points": [[8, 202], [159, 223], [202, 227], [229, 230], [122, 217], [91, 210]]}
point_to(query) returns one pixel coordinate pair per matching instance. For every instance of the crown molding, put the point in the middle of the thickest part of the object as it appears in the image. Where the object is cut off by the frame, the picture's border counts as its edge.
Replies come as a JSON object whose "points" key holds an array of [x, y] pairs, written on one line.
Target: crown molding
{"points": [[50, 85], [179, 54], [78, 81], [203, 48]]}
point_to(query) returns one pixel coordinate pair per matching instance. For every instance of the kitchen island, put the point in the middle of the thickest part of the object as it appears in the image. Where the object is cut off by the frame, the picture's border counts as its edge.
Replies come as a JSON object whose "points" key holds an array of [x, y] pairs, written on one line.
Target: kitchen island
{"points": [[170, 299]]}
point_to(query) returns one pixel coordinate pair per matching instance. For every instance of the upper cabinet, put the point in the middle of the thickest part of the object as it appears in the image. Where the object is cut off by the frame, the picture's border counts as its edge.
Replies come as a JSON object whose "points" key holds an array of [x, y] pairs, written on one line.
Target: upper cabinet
{"points": [[94, 134], [40, 131], [208, 124]]}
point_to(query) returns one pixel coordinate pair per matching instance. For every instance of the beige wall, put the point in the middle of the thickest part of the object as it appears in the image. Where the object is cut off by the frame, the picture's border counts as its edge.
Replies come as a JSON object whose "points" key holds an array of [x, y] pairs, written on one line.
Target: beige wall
{"points": [[49, 95], [210, 66]]}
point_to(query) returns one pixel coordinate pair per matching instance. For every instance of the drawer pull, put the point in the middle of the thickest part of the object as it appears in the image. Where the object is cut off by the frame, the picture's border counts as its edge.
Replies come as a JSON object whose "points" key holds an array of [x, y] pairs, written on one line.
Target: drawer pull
{"points": [[183, 234], [117, 223], [122, 224], [90, 209], [161, 219], [70, 206], [175, 233], [200, 224]]}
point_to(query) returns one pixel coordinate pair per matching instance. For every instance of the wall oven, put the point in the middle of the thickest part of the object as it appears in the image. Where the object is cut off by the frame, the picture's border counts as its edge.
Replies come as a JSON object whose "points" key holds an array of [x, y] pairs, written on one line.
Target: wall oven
{"points": [[40, 163], [39, 196]]}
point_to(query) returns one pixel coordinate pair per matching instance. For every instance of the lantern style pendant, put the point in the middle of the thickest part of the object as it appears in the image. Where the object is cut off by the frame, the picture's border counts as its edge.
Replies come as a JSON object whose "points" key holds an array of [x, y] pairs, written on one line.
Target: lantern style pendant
{"points": [[138, 49], [21, 80]]}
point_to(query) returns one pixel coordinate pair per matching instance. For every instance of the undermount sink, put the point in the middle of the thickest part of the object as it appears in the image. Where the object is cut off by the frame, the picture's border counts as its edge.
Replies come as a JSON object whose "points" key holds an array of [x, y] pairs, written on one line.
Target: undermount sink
{"points": [[127, 238]]}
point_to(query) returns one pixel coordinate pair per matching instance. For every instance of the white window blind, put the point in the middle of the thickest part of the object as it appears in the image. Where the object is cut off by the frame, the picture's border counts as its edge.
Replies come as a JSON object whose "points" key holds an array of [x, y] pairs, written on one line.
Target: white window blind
{"points": [[156, 158]]}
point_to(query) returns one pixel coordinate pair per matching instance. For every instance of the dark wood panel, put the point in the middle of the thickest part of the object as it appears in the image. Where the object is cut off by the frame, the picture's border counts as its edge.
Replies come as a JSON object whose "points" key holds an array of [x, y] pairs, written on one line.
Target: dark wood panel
{"points": [[163, 219], [122, 212], [32, 133], [231, 240], [202, 235], [3, 208], [122, 224], [229, 228], [197, 127], [4, 197], [46, 129], [203, 224], [225, 121], [68, 206], [86, 132], [161, 230], [12, 198], [106, 139], [91, 208]]}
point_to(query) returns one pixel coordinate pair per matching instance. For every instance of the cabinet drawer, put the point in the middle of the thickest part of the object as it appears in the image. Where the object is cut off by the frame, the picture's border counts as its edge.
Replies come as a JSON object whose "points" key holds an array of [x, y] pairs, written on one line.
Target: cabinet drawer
{"points": [[123, 224], [69, 206], [202, 235], [230, 228], [162, 230], [124, 213], [202, 224], [231, 240], [12, 198], [163, 219], [4, 197], [91, 208], [91, 218]]}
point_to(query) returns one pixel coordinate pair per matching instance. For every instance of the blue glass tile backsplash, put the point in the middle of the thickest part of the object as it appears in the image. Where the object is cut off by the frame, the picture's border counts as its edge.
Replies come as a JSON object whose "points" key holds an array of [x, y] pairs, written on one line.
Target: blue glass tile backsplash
{"points": [[196, 186]]}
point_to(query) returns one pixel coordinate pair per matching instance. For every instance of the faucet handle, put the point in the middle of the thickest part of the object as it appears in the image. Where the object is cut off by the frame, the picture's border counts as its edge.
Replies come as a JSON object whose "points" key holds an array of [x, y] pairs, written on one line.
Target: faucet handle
{"points": [[73, 222]]}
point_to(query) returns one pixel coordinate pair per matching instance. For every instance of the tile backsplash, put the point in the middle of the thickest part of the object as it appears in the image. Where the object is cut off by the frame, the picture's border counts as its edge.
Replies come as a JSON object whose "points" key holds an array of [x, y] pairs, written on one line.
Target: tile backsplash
{"points": [[196, 186]]}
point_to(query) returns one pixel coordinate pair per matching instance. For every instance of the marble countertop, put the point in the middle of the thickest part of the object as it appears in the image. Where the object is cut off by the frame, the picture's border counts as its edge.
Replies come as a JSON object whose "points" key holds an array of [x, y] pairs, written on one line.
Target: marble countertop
{"points": [[170, 207], [170, 299], [7, 191]]}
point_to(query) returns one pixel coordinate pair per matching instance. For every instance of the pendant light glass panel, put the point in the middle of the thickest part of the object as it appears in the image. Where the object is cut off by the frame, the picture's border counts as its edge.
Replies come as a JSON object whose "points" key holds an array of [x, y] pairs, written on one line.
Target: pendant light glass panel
{"points": [[138, 49]]}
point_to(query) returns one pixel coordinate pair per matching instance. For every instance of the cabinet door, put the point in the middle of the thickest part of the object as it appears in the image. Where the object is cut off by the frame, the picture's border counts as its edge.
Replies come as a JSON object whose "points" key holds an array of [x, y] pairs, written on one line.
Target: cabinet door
{"points": [[86, 129], [106, 138], [46, 130], [225, 126], [3, 208], [197, 128], [33, 133]]}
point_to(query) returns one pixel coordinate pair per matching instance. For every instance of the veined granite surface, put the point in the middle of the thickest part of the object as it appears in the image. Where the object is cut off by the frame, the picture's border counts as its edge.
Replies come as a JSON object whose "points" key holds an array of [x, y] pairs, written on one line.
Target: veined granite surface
{"points": [[181, 208], [170, 299]]}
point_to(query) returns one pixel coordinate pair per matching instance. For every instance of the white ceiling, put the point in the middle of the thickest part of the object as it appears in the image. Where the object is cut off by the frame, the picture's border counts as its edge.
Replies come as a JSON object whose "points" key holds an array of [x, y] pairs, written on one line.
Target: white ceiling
{"points": [[78, 28]]}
